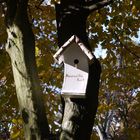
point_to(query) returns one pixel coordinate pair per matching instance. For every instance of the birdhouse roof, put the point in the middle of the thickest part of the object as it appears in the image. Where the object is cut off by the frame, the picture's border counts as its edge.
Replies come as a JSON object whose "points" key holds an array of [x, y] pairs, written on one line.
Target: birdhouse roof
{"points": [[67, 44]]}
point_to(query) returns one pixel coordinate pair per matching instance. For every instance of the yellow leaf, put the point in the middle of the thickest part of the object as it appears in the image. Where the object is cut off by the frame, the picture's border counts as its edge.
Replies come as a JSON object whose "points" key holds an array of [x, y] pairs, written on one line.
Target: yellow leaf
{"points": [[134, 10], [20, 121], [15, 135], [37, 51], [14, 121]]}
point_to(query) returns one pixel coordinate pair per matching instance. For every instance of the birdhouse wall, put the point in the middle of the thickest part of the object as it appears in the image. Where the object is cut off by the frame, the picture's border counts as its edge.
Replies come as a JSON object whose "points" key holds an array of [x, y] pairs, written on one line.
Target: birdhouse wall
{"points": [[72, 53]]}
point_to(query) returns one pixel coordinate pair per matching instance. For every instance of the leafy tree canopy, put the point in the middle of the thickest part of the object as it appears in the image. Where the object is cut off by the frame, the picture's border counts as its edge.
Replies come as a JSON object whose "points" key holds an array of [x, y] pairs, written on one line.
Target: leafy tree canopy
{"points": [[115, 29]]}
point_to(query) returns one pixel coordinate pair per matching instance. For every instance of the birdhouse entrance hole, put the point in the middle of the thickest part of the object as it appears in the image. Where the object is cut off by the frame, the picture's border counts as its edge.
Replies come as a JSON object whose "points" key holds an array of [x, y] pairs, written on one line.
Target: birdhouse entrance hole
{"points": [[76, 61]]}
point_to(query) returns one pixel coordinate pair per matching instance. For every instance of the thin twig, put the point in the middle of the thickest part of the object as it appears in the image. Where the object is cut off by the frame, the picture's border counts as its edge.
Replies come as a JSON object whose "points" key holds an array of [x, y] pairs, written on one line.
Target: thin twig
{"points": [[122, 44], [38, 6]]}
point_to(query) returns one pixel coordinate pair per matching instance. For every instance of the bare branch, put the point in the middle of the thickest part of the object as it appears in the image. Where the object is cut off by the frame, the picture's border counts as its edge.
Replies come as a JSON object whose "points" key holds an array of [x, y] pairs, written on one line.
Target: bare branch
{"points": [[131, 52], [126, 48], [94, 6]]}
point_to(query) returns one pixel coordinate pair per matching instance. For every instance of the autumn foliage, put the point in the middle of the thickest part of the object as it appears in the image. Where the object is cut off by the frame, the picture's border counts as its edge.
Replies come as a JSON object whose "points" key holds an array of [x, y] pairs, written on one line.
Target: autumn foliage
{"points": [[114, 32]]}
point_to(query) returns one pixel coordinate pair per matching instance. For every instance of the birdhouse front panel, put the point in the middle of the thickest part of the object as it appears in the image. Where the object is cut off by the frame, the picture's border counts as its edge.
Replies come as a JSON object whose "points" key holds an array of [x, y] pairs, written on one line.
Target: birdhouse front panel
{"points": [[75, 82]]}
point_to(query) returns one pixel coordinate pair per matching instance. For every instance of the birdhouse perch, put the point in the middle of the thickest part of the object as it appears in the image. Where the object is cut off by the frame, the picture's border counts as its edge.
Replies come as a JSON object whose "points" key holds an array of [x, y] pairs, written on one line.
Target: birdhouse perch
{"points": [[75, 57]]}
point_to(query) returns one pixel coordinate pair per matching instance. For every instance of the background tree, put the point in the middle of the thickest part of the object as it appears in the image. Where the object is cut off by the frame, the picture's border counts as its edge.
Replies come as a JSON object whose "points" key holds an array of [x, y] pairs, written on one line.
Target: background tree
{"points": [[21, 49], [121, 19]]}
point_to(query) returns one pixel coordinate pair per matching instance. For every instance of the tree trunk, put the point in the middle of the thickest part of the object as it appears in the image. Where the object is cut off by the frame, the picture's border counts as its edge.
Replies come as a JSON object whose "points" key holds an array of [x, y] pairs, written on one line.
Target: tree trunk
{"points": [[79, 114], [21, 49]]}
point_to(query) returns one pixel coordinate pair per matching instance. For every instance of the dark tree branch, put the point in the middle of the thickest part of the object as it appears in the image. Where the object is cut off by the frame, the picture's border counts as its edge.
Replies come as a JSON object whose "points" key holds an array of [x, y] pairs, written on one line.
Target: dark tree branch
{"points": [[89, 6], [1, 1], [11, 12]]}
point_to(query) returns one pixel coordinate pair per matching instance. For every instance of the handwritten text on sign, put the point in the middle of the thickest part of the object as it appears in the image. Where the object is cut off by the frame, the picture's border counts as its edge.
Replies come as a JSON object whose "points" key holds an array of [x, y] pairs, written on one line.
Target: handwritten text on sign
{"points": [[78, 77]]}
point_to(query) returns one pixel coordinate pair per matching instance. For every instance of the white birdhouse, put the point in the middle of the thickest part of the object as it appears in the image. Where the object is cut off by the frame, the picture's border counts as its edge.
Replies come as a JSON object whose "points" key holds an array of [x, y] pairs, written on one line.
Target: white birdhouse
{"points": [[75, 57]]}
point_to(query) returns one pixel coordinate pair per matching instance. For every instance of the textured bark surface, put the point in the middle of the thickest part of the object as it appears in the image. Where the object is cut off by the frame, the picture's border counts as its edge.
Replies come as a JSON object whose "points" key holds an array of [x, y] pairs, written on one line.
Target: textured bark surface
{"points": [[79, 114], [21, 49]]}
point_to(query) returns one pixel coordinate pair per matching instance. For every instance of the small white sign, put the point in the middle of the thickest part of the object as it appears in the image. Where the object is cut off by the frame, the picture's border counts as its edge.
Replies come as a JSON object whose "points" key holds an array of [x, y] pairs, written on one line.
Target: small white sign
{"points": [[75, 81]]}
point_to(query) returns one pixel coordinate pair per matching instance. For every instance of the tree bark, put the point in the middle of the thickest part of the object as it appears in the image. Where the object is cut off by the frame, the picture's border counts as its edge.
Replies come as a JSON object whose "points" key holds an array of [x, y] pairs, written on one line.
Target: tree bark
{"points": [[21, 49], [79, 114]]}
